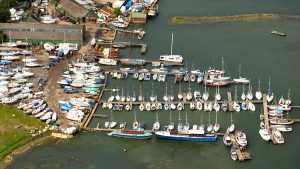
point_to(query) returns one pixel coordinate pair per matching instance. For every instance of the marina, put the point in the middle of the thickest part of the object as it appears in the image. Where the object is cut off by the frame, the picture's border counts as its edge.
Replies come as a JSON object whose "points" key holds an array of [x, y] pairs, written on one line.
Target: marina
{"points": [[161, 106]]}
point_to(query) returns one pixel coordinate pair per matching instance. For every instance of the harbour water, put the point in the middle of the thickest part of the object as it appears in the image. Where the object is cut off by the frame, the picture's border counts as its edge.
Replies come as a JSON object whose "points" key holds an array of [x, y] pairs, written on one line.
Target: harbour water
{"points": [[247, 43]]}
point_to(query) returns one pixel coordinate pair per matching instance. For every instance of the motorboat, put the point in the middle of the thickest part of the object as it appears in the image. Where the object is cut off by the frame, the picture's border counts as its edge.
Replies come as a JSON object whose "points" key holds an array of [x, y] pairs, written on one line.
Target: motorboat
{"points": [[241, 138], [236, 107], [277, 136], [282, 128], [107, 61], [171, 57], [277, 33], [264, 133], [251, 106]]}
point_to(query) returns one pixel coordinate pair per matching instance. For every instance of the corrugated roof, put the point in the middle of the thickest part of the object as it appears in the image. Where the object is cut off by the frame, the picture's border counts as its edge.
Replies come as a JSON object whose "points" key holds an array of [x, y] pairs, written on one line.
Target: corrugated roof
{"points": [[73, 8], [138, 15]]}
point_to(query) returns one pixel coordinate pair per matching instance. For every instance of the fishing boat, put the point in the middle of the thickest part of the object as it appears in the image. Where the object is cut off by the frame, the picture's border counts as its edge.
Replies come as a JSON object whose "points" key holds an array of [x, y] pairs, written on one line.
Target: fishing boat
{"points": [[258, 93], [133, 62], [156, 125], [270, 94], [171, 57], [107, 61], [277, 136], [277, 33], [240, 138], [264, 133]]}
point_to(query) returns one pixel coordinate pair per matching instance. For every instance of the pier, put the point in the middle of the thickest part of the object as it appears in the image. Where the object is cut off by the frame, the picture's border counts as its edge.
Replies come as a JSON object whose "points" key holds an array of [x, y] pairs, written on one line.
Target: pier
{"points": [[91, 114], [265, 111]]}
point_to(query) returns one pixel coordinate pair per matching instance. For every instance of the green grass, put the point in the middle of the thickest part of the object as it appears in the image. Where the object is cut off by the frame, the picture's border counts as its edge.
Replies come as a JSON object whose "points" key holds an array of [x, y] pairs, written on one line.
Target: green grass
{"points": [[205, 19], [15, 129]]}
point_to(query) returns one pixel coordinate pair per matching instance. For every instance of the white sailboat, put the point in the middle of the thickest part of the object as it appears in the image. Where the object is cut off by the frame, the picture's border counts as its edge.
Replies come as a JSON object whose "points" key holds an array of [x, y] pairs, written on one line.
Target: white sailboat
{"points": [[171, 125], [205, 95], [258, 93], [171, 97], [135, 124], [241, 79], [166, 98], [140, 98], [210, 126], [231, 128], [249, 93], [217, 125], [123, 98], [180, 125], [216, 106], [236, 106], [112, 124], [189, 95], [118, 96], [243, 96], [186, 125], [218, 96], [156, 125], [171, 57], [180, 94], [270, 95], [153, 98]]}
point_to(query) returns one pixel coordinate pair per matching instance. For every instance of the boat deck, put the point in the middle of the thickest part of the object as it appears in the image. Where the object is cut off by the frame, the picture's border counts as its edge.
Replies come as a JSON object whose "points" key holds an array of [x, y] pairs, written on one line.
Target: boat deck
{"points": [[243, 155]]}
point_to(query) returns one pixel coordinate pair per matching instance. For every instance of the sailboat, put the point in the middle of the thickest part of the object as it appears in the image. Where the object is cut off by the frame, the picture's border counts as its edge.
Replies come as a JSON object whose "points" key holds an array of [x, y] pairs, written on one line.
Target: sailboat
{"points": [[218, 96], [236, 106], [171, 97], [153, 98], [112, 123], [186, 125], [217, 125], [123, 98], [258, 93], [241, 79], [202, 126], [171, 124], [180, 125], [205, 95], [180, 94], [111, 98], [189, 95], [288, 100], [231, 128], [135, 124], [216, 106], [249, 93], [243, 97], [209, 127], [166, 98], [128, 97], [133, 98], [118, 96], [270, 94], [140, 98], [156, 125], [171, 57]]}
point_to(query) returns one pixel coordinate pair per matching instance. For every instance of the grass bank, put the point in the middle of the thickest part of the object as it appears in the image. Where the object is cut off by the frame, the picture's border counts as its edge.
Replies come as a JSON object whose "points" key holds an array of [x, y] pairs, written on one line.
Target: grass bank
{"points": [[16, 129], [207, 19]]}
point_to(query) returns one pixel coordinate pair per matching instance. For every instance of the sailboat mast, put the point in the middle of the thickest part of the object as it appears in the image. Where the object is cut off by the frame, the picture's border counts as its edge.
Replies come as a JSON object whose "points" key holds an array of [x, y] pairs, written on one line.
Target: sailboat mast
{"points": [[170, 117], [235, 94], [269, 89], [186, 120], [172, 45], [240, 67], [259, 84], [223, 69]]}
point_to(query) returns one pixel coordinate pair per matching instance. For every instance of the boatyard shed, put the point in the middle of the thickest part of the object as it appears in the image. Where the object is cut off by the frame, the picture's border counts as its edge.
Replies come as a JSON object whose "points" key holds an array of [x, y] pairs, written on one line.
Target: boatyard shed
{"points": [[73, 10], [40, 33], [138, 17]]}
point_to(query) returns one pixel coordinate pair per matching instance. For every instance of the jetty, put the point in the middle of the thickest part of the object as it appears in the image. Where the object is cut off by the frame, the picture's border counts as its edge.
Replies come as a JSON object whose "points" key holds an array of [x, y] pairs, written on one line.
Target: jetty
{"points": [[265, 111]]}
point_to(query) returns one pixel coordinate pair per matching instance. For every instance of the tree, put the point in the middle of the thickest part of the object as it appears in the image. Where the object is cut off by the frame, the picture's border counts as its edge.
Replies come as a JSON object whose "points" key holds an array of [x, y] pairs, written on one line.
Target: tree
{"points": [[117, 11], [55, 2], [4, 14]]}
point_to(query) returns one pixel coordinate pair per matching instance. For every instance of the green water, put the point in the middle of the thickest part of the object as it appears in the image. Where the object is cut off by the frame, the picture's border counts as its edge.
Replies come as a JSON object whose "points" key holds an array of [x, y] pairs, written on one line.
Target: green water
{"points": [[247, 43]]}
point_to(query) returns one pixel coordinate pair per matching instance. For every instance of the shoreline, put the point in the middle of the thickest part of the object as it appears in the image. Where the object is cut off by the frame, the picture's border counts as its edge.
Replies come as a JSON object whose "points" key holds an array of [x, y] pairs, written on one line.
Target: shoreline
{"points": [[35, 141], [180, 20]]}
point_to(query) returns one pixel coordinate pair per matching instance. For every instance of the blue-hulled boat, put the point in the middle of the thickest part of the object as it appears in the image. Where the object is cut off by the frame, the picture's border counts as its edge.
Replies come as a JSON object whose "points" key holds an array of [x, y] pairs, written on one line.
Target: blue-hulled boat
{"points": [[185, 136], [135, 134]]}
